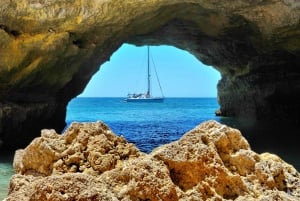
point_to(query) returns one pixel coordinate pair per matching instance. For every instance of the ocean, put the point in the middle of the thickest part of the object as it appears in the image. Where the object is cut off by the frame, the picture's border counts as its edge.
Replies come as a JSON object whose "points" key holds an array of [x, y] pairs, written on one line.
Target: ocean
{"points": [[6, 171], [147, 125]]}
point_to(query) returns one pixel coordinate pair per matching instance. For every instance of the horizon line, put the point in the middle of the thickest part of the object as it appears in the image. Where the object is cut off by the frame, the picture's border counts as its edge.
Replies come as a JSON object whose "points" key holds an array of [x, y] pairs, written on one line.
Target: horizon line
{"points": [[164, 97]]}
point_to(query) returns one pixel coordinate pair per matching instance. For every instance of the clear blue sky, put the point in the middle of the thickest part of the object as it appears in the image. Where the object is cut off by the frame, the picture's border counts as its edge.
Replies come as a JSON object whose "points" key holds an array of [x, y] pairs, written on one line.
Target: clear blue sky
{"points": [[179, 72]]}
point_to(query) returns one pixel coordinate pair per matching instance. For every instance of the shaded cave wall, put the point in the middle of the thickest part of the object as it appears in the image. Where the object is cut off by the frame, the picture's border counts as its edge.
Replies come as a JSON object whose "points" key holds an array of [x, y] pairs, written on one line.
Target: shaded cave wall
{"points": [[49, 51]]}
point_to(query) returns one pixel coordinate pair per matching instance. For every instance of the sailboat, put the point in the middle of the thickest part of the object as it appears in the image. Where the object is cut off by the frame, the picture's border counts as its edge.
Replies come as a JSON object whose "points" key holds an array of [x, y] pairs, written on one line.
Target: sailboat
{"points": [[146, 96]]}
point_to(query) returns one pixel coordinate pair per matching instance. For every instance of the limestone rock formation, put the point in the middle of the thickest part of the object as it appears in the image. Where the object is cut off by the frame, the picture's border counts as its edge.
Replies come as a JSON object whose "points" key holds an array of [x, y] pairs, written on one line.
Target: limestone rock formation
{"points": [[50, 49], [89, 162]]}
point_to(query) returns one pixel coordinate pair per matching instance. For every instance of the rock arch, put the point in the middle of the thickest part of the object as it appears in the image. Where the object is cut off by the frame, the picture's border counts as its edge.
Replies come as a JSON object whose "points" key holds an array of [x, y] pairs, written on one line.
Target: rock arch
{"points": [[50, 49]]}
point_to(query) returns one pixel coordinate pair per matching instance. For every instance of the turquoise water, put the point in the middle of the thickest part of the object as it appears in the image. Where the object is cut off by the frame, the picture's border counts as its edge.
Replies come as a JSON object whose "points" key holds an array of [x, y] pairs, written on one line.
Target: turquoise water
{"points": [[6, 171], [149, 125]]}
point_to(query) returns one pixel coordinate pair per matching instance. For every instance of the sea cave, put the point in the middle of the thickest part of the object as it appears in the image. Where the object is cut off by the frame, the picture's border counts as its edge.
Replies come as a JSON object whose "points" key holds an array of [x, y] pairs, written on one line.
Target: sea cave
{"points": [[49, 51]]}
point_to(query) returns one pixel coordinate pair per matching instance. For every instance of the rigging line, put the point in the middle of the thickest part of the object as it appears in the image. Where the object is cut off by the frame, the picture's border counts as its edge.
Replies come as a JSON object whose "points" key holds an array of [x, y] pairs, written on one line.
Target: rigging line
{"points": [[139, 80], [157, 76]]}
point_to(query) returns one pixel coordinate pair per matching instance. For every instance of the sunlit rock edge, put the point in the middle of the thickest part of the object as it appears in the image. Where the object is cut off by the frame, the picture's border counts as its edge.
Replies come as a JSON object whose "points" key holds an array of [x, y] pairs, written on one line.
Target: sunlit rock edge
{"points": [[89, 162]]}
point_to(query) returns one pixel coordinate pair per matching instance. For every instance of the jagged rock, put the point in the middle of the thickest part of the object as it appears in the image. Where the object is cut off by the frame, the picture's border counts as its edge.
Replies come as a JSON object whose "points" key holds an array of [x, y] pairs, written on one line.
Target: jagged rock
{"points": [[89, 162], [49, 50], [91, 148], [218, 112]]}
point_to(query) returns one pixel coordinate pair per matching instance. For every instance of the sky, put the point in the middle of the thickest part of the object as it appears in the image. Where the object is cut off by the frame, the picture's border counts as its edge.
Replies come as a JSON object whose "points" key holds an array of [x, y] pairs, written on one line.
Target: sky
{"points": [[179, 72]]}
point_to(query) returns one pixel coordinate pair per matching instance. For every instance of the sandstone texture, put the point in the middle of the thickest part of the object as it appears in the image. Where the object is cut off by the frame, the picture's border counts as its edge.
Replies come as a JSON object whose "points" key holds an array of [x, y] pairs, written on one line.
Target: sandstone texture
{"points": [[50, 49], [90, 162]]}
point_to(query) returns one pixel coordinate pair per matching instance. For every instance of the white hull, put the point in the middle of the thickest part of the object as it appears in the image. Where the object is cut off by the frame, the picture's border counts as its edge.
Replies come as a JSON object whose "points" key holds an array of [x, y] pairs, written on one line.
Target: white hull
{"points": [[145, 100]]}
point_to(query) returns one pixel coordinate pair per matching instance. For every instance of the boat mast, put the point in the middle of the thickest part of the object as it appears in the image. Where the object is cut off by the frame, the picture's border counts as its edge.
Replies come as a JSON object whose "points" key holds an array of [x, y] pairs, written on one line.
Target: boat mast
{"points": [[148, 91]]}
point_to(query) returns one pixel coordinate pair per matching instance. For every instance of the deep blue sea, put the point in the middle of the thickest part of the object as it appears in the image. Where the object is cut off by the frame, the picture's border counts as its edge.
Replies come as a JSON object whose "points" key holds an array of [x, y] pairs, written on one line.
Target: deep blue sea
{"points": [[148, 125]]}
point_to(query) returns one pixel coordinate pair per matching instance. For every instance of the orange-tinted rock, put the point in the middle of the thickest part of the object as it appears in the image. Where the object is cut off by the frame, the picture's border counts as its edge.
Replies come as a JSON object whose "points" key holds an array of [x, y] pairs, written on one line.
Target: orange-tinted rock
{"points": [[89, 162], [91, 148]]}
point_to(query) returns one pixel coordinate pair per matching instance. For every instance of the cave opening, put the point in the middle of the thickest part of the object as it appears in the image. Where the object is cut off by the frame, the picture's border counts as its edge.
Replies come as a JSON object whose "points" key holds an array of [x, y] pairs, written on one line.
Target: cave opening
{"points": [[264, 136], [190, 90], [258, 59]]}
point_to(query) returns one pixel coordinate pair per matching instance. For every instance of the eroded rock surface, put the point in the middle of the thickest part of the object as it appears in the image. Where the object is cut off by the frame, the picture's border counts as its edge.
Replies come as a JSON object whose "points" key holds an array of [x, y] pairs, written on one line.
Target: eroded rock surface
{"points": [[49, 50], [89, 162]]}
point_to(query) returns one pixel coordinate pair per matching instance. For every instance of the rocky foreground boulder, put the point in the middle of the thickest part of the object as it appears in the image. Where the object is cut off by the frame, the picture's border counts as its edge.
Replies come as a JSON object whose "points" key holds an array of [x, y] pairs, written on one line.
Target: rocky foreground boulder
{"points": [[90, 162]]}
